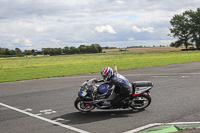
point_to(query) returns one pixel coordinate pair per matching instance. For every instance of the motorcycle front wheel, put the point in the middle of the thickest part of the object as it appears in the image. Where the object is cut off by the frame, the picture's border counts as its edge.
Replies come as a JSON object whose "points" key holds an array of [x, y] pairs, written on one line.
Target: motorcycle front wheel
{"points": [[81, 106], [141, 102]]}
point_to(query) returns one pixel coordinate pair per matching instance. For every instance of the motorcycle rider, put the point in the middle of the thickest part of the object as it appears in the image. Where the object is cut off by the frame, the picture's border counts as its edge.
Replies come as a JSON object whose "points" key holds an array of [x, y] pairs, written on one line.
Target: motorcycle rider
{"points": [[122, 86]]}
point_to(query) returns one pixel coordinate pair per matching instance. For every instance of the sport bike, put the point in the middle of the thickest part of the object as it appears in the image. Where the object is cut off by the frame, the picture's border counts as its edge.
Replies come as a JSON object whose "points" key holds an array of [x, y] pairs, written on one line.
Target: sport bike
{"points": [[91, 96]]}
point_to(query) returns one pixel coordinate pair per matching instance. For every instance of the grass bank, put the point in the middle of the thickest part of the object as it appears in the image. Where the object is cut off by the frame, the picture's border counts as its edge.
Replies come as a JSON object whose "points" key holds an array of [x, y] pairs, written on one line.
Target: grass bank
{"points": [[54, 66]]}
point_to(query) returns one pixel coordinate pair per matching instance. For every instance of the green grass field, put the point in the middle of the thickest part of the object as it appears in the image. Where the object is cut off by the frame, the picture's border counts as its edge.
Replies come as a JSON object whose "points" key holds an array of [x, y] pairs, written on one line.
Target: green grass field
{"points": [[55, 66]]}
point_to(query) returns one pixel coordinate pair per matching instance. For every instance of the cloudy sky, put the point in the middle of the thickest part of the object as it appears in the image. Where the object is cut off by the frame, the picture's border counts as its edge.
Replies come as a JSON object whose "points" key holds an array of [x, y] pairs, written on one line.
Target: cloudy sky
{"points": [[36, 24]]}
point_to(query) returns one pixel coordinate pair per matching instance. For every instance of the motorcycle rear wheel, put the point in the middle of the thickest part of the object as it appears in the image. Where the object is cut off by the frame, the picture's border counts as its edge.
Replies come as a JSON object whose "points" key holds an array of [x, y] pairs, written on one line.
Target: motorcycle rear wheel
{"points": [[81, 106], [141, 102]]}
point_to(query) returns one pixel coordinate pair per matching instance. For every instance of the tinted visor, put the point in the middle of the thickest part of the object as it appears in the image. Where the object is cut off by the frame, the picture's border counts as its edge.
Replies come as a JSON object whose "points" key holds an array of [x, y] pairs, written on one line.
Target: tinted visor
{"points": [[104, 77]]}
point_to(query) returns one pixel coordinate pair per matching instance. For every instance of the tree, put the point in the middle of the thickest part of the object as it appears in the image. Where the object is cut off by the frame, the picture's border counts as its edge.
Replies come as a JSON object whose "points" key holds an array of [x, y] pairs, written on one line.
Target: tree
{"points": [[46, 50], [94, 49], [58, 51], [186, 27], [27, 52], [2, 51], [82, 49], [180, 29], [66, 50], [74, 50], [197, 22], [99, 47], [18, 51], [33, 51], [194, 26], [88, 48]]}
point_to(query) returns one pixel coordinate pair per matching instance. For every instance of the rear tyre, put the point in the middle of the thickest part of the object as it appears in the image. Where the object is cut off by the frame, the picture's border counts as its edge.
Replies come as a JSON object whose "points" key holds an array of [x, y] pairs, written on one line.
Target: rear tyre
{"points": [[141, 102], [81, 106]]}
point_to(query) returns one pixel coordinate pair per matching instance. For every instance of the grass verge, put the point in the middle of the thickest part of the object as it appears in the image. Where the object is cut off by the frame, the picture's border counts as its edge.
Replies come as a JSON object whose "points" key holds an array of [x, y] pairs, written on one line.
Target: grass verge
{"points": [[65, 65]]}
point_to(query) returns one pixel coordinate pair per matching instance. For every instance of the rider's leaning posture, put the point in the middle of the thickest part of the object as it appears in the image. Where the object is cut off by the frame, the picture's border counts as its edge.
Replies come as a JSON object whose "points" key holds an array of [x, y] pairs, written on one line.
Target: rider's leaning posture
{"points": [[122, 86]]}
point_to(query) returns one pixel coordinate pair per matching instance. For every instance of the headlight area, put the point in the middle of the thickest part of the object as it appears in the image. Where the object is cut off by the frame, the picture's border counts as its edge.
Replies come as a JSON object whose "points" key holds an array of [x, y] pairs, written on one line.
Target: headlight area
{"points": [[81, 93]]}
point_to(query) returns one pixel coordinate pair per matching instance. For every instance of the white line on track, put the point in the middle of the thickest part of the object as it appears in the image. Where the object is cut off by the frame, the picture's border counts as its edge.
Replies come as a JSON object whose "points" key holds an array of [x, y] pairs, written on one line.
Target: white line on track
{"points": [[45, 119], [158, 124]]}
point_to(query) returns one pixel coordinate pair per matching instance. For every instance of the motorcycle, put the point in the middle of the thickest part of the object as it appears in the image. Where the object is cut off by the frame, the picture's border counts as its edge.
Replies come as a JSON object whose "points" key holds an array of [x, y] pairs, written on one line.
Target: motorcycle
{"points": [[92, 95]]}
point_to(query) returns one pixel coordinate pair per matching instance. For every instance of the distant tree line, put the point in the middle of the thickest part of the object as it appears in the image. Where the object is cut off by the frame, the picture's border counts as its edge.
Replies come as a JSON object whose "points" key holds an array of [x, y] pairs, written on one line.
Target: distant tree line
{"points": [[186, 28], [138, 46], [109, 47], [82, 49], [145, 46], [6, 51]]}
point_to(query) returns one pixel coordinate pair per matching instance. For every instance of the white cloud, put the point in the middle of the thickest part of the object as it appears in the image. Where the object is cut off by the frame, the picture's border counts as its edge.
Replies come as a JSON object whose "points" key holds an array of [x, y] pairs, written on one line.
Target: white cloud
{"points": [[55, 41], [147, 29], [105, 29], [35, 23], [136, 29], [16, 40], [27, 42], [120, 1], [21, 41], [40, 29], [131, 39], [28, 45]]}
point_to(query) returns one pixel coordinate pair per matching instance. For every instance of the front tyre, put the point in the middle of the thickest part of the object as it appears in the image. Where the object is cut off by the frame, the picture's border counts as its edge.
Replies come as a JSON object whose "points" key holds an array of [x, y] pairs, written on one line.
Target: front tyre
{"points": [[81, 106], [141, 102]]}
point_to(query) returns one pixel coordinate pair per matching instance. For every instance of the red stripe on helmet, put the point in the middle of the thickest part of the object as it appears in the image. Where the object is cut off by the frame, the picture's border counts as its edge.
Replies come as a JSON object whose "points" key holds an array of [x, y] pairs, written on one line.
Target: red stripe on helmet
{"points": [[105, 71]]}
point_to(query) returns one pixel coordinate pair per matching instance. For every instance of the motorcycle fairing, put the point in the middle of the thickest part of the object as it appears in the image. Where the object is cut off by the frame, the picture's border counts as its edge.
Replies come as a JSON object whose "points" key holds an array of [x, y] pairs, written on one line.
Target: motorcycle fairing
{"points": [[102, 89], [141, 87]]}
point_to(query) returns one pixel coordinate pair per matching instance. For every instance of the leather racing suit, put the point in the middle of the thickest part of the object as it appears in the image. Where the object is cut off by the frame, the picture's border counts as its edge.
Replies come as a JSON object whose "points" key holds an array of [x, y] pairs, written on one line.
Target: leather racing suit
{"points": [[122, 86]]}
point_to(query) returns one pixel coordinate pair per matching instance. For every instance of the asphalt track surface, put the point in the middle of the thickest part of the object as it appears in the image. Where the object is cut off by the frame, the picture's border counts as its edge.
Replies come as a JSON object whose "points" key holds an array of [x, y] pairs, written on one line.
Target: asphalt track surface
{"points": [[47, 105]]}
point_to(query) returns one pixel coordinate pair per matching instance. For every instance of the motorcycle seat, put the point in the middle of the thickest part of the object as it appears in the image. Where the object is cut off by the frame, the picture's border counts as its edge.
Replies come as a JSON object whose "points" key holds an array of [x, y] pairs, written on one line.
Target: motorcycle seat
{"points": [[143, 84]]}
